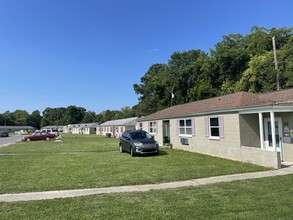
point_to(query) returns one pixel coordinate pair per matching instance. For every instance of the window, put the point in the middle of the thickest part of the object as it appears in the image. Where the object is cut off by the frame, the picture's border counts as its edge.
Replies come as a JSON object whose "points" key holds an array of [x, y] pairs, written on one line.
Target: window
{"points": [[140, 126], [121, 129], [186, 127], [153, 127], [214, 127]]}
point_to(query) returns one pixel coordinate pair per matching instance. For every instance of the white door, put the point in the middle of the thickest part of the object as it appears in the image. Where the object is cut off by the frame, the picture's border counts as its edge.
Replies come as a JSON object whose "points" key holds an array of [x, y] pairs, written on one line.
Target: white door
{"points": [[268, 133]]}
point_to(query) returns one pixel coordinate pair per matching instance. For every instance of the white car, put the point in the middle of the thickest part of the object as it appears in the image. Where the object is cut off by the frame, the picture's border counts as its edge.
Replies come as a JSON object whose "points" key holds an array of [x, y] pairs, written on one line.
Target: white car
{"points": [[51, 131]]}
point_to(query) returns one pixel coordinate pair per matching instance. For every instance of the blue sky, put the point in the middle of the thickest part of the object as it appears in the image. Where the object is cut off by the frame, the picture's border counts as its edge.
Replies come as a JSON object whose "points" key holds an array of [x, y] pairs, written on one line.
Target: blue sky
{"points": [[89, 53]]}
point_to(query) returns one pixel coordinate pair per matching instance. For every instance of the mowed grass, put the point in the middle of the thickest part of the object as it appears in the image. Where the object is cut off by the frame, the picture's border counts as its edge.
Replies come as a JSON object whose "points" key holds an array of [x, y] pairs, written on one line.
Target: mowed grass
{"points": [[90, 161], [266, 198]]}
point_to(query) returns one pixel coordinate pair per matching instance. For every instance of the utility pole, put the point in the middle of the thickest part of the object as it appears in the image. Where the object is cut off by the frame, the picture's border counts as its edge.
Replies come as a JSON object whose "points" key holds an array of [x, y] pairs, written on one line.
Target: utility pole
{"points": [[276, 63], [172, 97]]}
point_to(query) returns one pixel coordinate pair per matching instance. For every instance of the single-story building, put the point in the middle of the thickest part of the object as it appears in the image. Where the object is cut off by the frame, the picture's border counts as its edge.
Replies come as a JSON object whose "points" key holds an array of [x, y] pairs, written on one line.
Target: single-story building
{"points": [[54, 127], [115, 128], [255, 128], [20, 129], [87, 128]]}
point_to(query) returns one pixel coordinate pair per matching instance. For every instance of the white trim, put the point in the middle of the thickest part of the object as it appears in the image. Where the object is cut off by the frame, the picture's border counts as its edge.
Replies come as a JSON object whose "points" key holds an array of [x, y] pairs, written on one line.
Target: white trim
{"points": [[154, 127], [185, 127], [185, 135], [274, 146], [261, 130], [218, 127], [272, 116], [214, 138]]}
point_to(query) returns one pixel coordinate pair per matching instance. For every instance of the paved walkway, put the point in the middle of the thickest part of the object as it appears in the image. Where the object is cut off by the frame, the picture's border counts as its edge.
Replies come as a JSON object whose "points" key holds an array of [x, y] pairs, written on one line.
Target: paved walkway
{"points": [[141, 188], [4, 142]]}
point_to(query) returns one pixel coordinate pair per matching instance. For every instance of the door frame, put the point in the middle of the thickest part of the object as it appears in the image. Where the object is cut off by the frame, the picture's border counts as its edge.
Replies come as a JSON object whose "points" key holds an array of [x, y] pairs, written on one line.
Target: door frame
{"points": [[166, 131], [279, 132]]}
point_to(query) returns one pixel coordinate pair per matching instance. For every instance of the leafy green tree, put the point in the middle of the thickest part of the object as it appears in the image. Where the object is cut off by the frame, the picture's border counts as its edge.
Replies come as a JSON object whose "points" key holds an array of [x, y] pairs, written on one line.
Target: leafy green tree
{"points": [[89, 117], [74, 115], [285, 57], [35, 119], [153, 87], [258, 42], [21, 117], [8, 118], [54, 116], [2, 119], [49, 117], [230, 60], [260, 76]]}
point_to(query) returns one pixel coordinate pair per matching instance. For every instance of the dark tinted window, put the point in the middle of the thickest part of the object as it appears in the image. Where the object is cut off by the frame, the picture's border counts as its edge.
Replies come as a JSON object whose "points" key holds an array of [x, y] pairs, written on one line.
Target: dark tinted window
{"points": [[140, 136]]}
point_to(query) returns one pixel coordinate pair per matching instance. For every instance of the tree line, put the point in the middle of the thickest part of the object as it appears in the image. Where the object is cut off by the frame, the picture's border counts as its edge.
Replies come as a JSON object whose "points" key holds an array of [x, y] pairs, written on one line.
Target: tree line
{"points": [[61, 116], [237, 63]]}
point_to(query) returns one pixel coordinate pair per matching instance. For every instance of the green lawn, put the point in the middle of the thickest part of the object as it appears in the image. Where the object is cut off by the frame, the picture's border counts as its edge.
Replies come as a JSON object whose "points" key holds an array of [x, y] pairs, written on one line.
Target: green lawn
{"points": [[266, 198], [91, 161]]}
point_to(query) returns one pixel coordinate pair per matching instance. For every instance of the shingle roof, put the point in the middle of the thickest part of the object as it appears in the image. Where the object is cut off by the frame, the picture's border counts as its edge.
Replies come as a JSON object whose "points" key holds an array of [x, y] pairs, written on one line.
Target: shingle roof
{"points": [[239, 100], [120, 122]]}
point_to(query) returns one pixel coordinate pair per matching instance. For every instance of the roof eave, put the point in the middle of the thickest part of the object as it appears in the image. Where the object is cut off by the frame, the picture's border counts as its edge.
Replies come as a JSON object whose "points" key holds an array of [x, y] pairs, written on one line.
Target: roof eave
{"points": [[246, 110]]}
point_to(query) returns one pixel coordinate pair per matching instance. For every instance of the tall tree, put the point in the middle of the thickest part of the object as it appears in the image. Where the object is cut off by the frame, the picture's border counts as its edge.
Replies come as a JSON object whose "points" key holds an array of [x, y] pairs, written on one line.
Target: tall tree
{"points": [[153, 90], [74, 115], [21, 117], [230, 59], [35, 119], [260, 76], [89, 117]]}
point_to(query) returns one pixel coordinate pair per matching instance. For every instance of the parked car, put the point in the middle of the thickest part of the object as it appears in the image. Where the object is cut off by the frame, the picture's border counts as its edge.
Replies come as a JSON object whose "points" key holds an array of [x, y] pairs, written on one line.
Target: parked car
{"points": [[51, 131], [4, 134], [39, 136], [138, 142]]}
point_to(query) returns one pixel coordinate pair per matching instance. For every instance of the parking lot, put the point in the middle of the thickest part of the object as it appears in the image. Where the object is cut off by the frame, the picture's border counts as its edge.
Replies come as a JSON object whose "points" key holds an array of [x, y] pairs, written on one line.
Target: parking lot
{"points": [[5, 141]]}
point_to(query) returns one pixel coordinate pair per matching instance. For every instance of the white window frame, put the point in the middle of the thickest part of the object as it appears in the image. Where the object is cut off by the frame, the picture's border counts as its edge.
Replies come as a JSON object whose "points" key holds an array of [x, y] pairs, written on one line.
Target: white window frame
{"points": [[214, 126], [185, 127], [152, 127], [140, 126]]}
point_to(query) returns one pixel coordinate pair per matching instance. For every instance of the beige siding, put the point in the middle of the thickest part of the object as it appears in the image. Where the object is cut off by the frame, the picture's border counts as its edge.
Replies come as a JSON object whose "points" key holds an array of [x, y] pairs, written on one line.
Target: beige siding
{"points": [[158, 135], [228, 147], [288, 152], [200, 143], [249, 130], [115, 131]]}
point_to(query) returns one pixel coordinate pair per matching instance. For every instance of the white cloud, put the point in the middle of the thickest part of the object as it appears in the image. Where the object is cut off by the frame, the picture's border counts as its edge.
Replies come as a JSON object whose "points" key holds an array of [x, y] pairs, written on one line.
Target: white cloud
{"points": [[154, 50]]}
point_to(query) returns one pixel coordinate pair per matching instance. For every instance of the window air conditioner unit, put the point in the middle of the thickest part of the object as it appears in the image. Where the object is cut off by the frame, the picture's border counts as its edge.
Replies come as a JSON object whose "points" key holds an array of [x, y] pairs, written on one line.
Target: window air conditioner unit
{"points": [[184, 141]]}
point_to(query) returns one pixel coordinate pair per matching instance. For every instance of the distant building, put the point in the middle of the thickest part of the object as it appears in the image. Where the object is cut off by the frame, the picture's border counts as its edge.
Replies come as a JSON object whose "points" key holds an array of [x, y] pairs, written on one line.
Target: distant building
{"points": [[12, 129], [116, 127], [54, 127], [86, 128]]}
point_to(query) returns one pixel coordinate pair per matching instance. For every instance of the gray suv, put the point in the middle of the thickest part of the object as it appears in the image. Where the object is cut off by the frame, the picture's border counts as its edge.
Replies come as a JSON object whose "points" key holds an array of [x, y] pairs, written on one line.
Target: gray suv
{"points": [[138, 142]]}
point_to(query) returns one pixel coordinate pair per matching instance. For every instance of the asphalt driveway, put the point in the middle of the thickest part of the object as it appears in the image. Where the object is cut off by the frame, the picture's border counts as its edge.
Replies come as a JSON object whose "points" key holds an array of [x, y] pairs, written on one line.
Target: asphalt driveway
{"points": [[9, 140]]}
